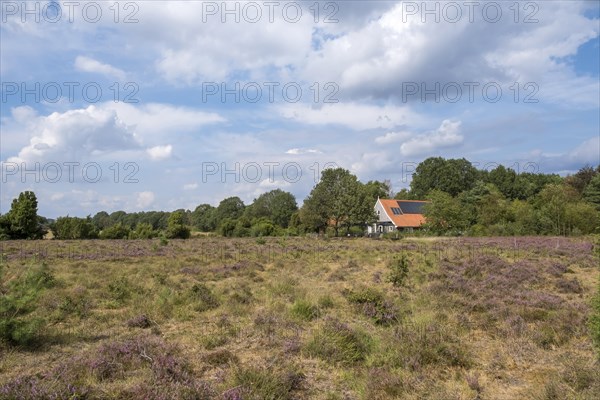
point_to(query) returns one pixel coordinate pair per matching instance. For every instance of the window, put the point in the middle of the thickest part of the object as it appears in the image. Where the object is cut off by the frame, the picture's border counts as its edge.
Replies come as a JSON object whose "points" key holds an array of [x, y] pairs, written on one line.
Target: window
{"points": [[396, 211], [380, 228]]}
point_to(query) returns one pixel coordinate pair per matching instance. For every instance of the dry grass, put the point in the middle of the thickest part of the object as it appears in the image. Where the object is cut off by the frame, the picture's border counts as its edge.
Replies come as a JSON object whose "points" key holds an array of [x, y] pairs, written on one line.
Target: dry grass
{"points": [[496, 318]]}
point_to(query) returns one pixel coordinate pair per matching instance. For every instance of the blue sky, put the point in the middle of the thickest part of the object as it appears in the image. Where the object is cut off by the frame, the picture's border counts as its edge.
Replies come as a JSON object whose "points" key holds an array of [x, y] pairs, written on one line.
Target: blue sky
{"points": [[378, 83]]}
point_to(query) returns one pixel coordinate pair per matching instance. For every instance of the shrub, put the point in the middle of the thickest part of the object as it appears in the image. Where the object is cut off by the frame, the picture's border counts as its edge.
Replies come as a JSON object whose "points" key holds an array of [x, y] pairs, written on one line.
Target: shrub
{"points": [[176, 228], [120, 290], [372, 304], [73, 228], [398, 270], [18, 323], [262, 227], [117, 231], [336, 342], [143, 231]]}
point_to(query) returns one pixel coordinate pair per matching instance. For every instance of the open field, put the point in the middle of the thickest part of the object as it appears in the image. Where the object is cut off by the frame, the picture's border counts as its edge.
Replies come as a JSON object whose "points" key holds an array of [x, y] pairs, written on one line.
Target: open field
{"points": [[301, 318]]}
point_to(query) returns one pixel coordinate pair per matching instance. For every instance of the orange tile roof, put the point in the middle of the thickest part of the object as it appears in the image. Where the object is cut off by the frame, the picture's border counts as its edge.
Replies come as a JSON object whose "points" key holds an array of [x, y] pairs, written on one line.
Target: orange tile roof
{"points": [[403, 220]]}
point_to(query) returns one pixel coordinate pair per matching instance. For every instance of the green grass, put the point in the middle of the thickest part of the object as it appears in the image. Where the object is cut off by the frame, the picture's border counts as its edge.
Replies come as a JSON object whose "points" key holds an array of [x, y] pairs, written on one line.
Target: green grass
{"points": [[301, 318]]}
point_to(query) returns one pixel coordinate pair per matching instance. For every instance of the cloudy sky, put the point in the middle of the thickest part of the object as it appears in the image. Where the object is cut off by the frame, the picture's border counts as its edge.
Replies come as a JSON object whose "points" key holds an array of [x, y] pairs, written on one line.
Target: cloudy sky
{"points": [[156, 105]]}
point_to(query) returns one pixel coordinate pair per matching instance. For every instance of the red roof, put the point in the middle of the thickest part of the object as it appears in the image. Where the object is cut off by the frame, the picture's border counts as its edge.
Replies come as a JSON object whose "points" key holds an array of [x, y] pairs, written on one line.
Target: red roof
{"points": [[404, 219]]}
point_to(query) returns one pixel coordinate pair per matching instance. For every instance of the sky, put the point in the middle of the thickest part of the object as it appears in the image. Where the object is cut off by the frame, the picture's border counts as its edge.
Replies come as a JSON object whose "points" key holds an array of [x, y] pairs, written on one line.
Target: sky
{"points": [[162, 105]]}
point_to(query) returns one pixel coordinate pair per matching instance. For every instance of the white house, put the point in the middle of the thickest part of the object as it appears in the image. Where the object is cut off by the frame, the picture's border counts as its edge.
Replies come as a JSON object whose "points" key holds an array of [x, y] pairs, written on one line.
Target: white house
{"points": [[393, 215]]}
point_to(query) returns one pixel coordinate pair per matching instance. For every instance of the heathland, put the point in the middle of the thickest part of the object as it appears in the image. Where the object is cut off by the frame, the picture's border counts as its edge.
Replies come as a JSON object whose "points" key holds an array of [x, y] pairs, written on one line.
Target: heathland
{"points": [[300, 318]]}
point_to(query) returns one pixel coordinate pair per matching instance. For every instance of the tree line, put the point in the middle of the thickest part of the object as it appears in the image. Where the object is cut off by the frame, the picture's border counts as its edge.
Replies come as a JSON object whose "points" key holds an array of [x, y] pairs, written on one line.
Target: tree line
{"points": [[462, 201]]}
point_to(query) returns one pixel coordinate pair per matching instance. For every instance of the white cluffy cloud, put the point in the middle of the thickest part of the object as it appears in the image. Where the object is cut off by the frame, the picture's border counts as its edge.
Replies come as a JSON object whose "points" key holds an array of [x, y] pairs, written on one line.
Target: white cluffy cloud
{"points": [[87, 64], [447, 135], [104, 130], [160, 152]]}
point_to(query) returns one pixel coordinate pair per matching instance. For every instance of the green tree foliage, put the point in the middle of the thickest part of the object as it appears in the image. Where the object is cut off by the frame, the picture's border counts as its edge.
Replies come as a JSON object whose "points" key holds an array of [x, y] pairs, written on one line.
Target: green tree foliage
{"points": [[227, 227], [405, 194], [23, 221], [445, 214], [116, 231], [591, 193], [4, 227], [451, 176], [231, 207], [378, 190], [19, 323], [276, 205], [158, 219], [262, 227], [73, 228], [581, 179], [582, 218], [242, 227], [339, 200], [530, 184], [101, 220], [143, 230], [524, 220], [552, 208], [177, 228], [398, 270], [505, 180], [203, 218]]}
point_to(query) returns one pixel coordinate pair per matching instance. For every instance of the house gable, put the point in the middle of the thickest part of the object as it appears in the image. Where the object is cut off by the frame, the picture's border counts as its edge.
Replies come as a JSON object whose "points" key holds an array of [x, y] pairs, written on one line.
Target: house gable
{"points": [[401, 213]]}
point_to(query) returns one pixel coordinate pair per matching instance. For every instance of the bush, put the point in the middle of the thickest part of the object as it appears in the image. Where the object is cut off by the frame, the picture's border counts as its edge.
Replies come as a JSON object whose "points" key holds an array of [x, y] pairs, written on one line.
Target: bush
{"points": [[120, 290], [262, 227], [178, 232], [117, 231], [143, 231], [398, 270], [18, 323], [74, 228], [176, 227], [373, 305]]}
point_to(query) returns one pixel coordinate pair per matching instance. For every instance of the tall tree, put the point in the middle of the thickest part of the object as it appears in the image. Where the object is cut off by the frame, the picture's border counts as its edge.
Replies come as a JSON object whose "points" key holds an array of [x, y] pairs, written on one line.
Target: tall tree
{"points": [[377, 189], [505, 179], [445, 214], [451, 176], [177, 228], [23, 219], [231, 207], [581, 179], [591, 193], [203, 218], [339, 199], [276, 205], [552, 204]]}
